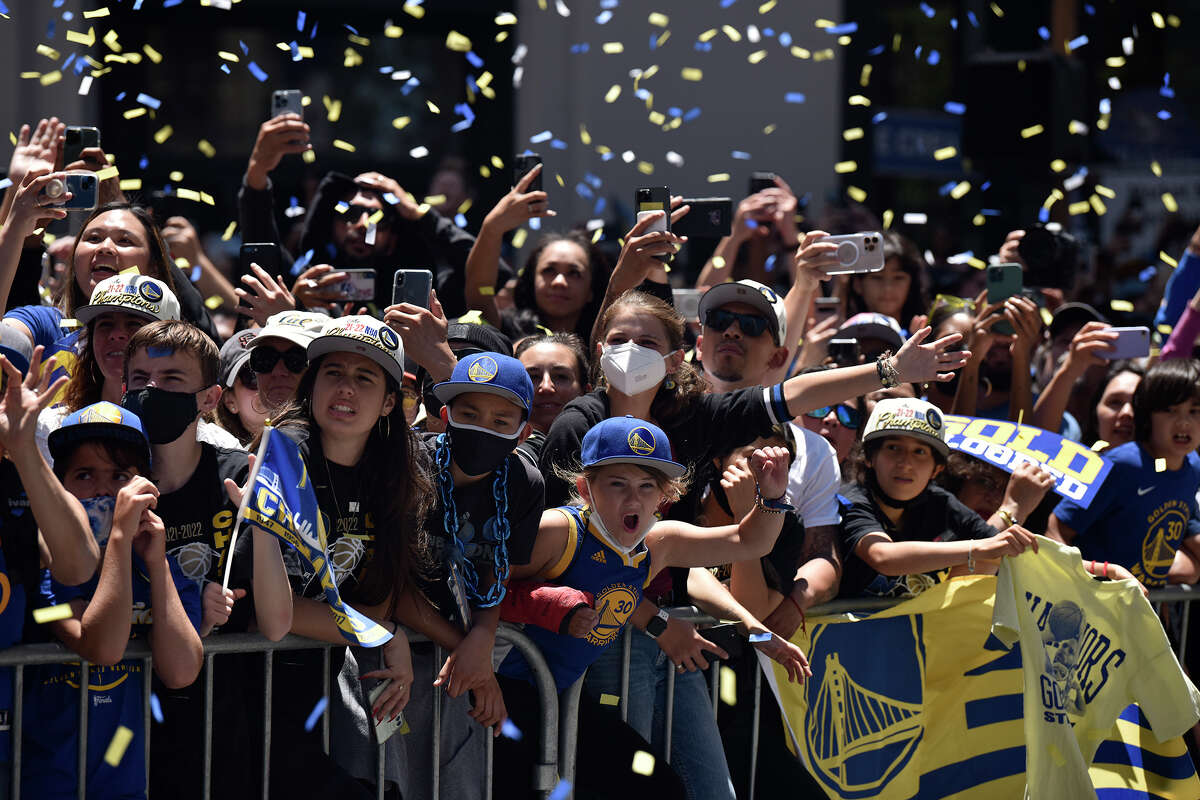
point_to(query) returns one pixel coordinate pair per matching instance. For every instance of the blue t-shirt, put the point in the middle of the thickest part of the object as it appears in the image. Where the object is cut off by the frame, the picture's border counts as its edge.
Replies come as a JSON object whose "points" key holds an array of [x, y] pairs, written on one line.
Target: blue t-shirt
{"points": [[1140, 517], [51, 733], [615, 580], [44, 322]]}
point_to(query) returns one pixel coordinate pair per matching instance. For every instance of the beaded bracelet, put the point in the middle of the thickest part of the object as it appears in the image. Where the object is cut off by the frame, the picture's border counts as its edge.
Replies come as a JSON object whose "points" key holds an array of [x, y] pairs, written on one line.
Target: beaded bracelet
{"points": [[889, 376]]}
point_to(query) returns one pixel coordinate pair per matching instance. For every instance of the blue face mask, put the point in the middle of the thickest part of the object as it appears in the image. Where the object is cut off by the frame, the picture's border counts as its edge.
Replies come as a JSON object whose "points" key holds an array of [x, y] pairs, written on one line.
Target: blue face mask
{"points": [[100, 515]]}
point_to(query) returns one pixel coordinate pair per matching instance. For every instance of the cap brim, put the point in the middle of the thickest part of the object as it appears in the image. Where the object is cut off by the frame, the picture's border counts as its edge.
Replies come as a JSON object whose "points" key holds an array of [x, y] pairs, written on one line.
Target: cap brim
{"points": [[287, 335], [725, 293], [235, 368], [62, 438], [871, 330], [934, 442], [88, 313], [448, 390], [672, 469], [340, 344]]}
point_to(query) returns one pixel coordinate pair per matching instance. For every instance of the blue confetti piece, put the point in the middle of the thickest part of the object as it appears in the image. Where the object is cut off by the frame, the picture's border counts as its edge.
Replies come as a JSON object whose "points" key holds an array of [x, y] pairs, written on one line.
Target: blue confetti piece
{"points": [[474, 59], [58, 3], [1044, 32], [985, 186], [954, 23], [749, 223], [945, 188], [461, 125], [952, 107], [1167, 91], [1166, 79], [558, 144], [794, 97], [642, 94], [675, 111], [147, 100], [990, 212], [301, 18], [313, 33], [194, 275], [593, 180], [755, 638], [1163, 115], [934, 57], [1077, 42], [703, 47], [768, 32], [727, 3], [49, 29], [607, 156], [927, 10], [603, 17], [691, 114], [561, 791], [876, 50], [1147, 274], [1105, 105], [844, 28], [5, 183], [137, 5], [143, 162], [601, 204], [354, 30], [70, 60], [257, 72], [295, 48], [302, 262], [245, 49], [387, 70], [878, 118], [1089, 9], [584, 191], [770, 263], [120, 96], [409, 85], [535, 224], [785, 39], [225, 68], [609, 3], [316, 713], [67, 15], [166, 4], [544, 136], [511, 731], [917, 52], [1043, 215], [460, 220], [740, 154], [582, 47], [156, 708], [974, 20]]}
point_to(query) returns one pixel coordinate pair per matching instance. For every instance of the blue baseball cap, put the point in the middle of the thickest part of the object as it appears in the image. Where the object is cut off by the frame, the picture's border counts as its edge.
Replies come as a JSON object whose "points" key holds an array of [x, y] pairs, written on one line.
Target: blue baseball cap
{"points": [[101, 420], [629, 440], [16, 347], [490, 373]]}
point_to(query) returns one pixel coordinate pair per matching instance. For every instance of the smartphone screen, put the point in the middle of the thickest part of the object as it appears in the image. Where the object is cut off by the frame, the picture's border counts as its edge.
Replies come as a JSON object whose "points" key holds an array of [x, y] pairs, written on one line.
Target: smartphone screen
{"points": [[760, 181], [359, 285], [412, 286]]}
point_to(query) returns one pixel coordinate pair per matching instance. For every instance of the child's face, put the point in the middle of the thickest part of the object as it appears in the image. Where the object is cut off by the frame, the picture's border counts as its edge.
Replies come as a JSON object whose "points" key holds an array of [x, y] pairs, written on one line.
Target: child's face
{"points": [[91, 473], [1175, 432], [904, 466], [626, 497], [487, 411]]}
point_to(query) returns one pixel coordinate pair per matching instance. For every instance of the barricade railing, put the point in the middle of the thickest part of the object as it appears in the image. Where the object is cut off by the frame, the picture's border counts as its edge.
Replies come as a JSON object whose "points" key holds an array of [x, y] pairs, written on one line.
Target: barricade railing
{"points": [[545, 774]]}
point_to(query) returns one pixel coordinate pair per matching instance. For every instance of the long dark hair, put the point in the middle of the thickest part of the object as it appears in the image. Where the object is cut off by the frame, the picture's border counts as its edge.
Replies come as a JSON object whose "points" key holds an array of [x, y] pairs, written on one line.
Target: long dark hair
{"points": [[1091, 430], [395, 478], [669, 405], [87, 383], [70, 297], [913, 264], [525, 300]]}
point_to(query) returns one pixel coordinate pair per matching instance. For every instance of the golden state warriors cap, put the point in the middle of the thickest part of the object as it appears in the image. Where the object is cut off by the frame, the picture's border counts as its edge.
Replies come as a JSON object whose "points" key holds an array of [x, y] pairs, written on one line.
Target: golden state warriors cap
{"points": [[490, 373], [752, 293], [297, 327], [132, 294], [629, 440], [907, 416], [103, 420], [364, 335]]}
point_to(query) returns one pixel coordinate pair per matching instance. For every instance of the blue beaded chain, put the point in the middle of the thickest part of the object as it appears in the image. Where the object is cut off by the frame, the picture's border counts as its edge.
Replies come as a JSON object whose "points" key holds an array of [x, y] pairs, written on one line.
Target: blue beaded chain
{"points": [[450, 524]]}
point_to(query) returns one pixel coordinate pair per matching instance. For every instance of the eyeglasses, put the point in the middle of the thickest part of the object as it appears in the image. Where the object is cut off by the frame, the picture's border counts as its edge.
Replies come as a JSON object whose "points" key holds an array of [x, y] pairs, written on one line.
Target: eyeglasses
{"points": [[351, 214], [847, 416], [264, 359], [750, 324], [249, 378]]}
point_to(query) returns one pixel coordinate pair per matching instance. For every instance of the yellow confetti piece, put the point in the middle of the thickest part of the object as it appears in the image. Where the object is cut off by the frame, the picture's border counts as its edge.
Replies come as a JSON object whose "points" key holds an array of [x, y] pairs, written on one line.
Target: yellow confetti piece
{"points": [[228, 56], [888, 216], [484, 79], [414, 11], [96, 13], [207, 199], [135, 112], [107, 173], [658, 19], [391, 31], [128, 271], [351, 58], [399, 123], [88, 39], [333, 108], [1160, 465], [800, 52], [110, 39], [1104, 191], [1168, 201], [214, 302], [1045, 314], [175, 175], [1120, 305], [188, 194], [48, 51], [1098, 205], [856, 194], [657, 117], [152, 54], [1174, 21], [718, 177], [1058, 165], [457, 42], [645, 167], [609, 700], [864, 77], [341, 144], [53, 613], [1077, 128], [718, 262], [612, 47], [229, 229], [1166, 259], [1156, 168], [769, 129], [131, 184], [308, 156], [997, 10], [943, 153], [506, 18], [643, 763], [163, 133], [1032, 130], [432, 107], [960, 189], [728, 686], [497, 162], [28, 76], [120, 741], [767, 6], [1164, 329], [843, 167], [1082, 207], [205, 147], [733, 33], [1114, 61], [823, 23], [756, 56], [584, 136], [843, 40], [50, 77], [1155, 17], [858, 100], [692, 73], [596, 234], [361, 41], [978, 220], [518, 239], [708, 34]]}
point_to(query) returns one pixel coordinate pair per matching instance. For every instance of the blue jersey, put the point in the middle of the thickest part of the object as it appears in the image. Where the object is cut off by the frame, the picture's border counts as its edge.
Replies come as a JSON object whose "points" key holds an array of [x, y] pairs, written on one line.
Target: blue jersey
{"points": [[1139, 517], [51, 713], [615, 580]]}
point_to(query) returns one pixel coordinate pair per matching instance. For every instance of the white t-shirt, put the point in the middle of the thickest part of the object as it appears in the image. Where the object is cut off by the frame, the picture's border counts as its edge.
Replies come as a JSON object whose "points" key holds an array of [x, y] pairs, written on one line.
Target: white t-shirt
{"points": [[813, 479], [50, 419], [1088, 650]]}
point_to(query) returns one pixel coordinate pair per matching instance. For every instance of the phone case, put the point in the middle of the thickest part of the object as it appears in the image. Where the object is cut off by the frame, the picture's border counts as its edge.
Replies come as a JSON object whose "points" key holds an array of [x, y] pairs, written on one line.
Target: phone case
{"points": [[386, 727], [857, 253], [358, 286], [412, 286], [687, 303], [1130, 343], [287, 100]]}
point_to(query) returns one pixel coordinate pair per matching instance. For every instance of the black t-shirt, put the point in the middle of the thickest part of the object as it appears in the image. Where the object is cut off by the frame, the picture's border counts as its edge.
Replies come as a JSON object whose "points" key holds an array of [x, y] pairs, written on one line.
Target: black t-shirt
{"points": [[475, 505], [937, 516], [199, 517], [18, 536]]}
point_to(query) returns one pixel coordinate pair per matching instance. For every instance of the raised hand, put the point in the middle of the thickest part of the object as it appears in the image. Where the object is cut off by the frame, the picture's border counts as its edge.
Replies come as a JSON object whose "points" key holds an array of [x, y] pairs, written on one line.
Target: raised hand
{"points": [[24, 398], [423, 331], [738, 482], [314, 287], [278, 137], [133, 500], [770, 468], [520, 205], [405, 205], [217, 605], [266, 295], [38, 148], [925, 363], [94, 159], [30, 208]]}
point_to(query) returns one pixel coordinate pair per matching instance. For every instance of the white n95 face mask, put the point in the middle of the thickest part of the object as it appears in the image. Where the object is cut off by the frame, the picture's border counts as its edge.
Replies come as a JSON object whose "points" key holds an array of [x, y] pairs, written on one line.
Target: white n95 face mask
{"points": [[632, 369]]}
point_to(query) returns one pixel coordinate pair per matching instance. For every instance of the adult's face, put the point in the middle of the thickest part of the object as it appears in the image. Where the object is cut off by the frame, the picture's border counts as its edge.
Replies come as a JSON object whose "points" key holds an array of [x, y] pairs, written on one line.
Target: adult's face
{"points": [[733, 355], [562, 282], [111, 243], [350, 228], [556, 381]]}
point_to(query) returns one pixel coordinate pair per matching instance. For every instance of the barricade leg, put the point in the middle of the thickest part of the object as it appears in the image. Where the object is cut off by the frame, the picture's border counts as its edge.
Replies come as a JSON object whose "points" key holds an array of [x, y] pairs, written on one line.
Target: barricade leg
{"points": [[85, 679], [268, 673], [436, 788], [545, 776], [626, 654], [754, 730], [17, 728], [669, 713], [147, 669], [568, 731], [208, 715]]}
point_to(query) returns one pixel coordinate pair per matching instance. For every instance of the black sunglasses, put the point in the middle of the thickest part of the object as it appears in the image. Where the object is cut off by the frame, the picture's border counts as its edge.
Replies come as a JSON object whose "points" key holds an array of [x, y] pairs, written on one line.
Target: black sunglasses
{"points": [[847, 416], [750, 324], [351, 214], [264, 359]]}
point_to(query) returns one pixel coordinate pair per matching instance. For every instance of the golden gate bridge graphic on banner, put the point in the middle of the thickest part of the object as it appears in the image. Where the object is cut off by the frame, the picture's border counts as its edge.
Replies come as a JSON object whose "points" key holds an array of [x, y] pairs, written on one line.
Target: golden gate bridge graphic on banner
{"points": [[847, 720]]}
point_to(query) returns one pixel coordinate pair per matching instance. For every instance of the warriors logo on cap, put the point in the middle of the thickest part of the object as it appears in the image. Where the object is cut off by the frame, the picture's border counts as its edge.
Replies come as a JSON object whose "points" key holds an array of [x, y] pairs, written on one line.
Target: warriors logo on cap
{"points": [[101, 412], [483, 370], [387, 338], [768, 293], [150, 291], [934, 419], [641, 441]]}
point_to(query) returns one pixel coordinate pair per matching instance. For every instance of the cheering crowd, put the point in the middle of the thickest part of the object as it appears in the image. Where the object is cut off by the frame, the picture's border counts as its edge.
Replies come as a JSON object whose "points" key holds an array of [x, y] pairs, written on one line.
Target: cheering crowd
{"points": [[552, 444]]}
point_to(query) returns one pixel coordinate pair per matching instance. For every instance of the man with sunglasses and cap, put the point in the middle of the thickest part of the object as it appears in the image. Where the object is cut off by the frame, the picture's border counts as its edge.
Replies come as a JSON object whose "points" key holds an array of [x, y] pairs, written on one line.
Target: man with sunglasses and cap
{"points": [[278, 355]]}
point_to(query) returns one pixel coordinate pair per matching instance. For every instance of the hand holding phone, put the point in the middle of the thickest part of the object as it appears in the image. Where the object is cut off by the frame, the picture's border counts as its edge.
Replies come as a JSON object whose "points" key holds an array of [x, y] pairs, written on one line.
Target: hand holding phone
{"points": [[522, 164], [650, 200], [287, 101], [1003, 281], [80, 188], [357, 287], [857, 253], [412, 286]]}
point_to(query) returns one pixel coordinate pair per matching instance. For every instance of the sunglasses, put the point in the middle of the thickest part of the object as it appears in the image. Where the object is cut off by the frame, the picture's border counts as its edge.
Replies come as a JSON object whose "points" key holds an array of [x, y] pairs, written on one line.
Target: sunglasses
{"points": [[750, 324], [350, 214], [847, 416], [264, 359], [249, 379]]}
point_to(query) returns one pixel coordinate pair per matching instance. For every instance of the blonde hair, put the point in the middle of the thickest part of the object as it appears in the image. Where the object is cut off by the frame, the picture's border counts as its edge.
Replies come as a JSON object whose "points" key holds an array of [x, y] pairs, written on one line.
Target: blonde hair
{"points": [[672, 488]]}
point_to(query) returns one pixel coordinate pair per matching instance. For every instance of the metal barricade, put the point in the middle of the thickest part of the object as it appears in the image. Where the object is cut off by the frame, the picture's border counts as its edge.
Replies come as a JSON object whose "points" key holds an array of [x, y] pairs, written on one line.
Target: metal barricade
{"points": [[545, 775]]}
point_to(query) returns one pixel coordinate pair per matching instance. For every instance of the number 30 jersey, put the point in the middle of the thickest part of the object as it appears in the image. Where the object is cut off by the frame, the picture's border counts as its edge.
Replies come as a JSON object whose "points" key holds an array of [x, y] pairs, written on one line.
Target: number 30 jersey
{"points": [[615, 580]]}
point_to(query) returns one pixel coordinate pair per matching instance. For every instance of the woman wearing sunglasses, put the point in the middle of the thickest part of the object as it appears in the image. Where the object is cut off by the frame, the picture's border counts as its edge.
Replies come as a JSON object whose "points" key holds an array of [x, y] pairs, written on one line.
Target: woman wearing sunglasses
{"points": [[278, 356]]}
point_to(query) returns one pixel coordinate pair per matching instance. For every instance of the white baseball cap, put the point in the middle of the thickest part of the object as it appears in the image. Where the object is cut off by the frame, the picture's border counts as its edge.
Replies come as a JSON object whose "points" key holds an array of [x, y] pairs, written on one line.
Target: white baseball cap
{"points": [[364, 335], [907, 416], [751, 293], [297, 327], [132, 294]]}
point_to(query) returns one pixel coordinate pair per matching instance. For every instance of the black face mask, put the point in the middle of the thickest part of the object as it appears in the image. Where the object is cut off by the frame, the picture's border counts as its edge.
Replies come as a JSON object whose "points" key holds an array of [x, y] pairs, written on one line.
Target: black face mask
{"points": [[165, 415], [478, 451]]}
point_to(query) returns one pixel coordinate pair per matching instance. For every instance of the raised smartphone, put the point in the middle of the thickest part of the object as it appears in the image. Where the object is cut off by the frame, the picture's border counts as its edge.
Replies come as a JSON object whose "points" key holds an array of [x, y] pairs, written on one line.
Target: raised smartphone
{"points": [[76, 139], [707, 218], [649, 199], [412, 286], [287, 101], [359, 286], [522, 163], [1003, 281], [857, 253], [1130, 343]]}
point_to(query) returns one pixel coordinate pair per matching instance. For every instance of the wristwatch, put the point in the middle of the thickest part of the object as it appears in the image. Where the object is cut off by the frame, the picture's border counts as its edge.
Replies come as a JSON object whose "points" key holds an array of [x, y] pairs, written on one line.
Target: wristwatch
{"points": [[656, 626]]}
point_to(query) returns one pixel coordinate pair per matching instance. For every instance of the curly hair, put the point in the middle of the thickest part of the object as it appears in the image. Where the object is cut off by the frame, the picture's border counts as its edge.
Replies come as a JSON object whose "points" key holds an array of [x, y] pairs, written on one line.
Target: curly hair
{"points": [[525, 300]]}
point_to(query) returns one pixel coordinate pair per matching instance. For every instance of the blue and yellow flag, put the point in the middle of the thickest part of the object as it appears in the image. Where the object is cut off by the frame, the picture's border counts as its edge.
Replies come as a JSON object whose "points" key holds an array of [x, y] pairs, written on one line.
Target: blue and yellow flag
{"points": [[280, 499], [933, 708]]}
